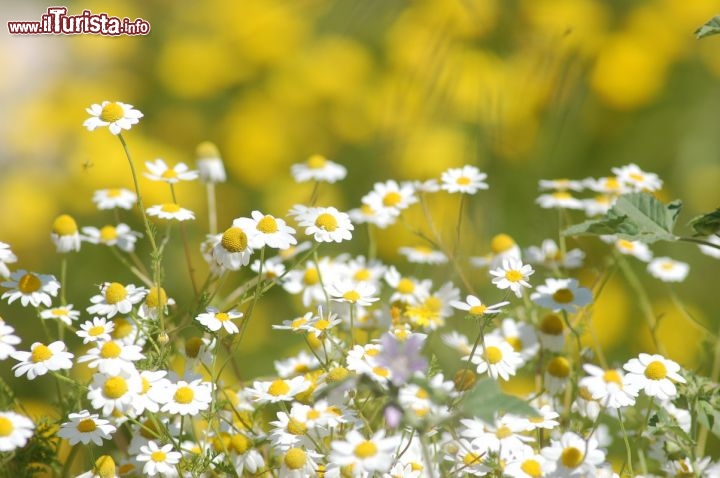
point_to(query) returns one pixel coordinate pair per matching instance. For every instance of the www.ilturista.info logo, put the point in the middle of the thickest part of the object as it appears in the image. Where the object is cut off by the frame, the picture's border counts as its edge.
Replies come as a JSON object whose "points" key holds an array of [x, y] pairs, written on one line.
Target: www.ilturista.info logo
{"points": [[58, 22]]}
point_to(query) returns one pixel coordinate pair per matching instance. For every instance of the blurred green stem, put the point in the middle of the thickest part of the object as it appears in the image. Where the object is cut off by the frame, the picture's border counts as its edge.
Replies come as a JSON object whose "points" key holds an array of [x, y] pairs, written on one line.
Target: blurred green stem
{"points": [[212, 207], [186, 247]]}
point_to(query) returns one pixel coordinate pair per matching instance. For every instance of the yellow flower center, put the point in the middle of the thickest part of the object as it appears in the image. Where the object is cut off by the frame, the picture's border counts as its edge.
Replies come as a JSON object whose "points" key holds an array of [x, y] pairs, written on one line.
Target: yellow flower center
{"points": [[158, 456], [296, 427], [513, 275], [169, 173], [478, 309], [656, 370], [207, 150], [571, 457], [532, 468], [501, 243], [154, 299], [311, 276], [463, 181], [326, 221], [515, 343], [123, 328], [115, 292], [29, 283], [536, 419], [381, 371], [625, 244], [6, 427], [503, 432], [145, 386], [316, 162], [392, 199], [493, 354], [612, 376], [552, 324], [405, 286], [110, 350], [112, 112], [365, 449], [563, 296], [239, 443], [234, 240], [322, 324], [422, 394], [612, 184], [362, 275], [108, 233], [40, 353], [59, 312], [115, 387], [86, 426], [222, 316], [313, 415], [184, 395], [268, 225], [113, 193], [337, 374], [295, 458], [170, 207], [105, 467], [667, 266], [65, 225], [559, 367], [636, 177], [471, 459], [278, 388], [351, 296], [585, 394], [562, 195]]}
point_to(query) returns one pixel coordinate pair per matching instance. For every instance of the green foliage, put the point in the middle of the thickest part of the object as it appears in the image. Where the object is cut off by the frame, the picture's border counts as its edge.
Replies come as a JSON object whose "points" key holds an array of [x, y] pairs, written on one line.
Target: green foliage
{"points": [[634, 217], [703, 397], [711, 27], [706, 224], [486, 400]]}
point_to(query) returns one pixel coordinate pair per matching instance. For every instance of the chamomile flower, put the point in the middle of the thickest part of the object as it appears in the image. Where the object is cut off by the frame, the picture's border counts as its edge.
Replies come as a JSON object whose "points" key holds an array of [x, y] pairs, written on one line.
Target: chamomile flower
{"points": [[562, 294], [465, 180], [637, 179], [326, 224], [8, 340], [121, 236], [15, 431], [31, 288], [557, 374], [476, 308], [406, 289], [347, 290], [187, 398], [513, 275], [65, 234], [520, 336], [637, 249], [574, 456], [318, 168], [6, 257], [609, 185], [668, 270], [322, 324], [364, 455], [608, 387], [159, 460], [528, 464], [42, 359], [160, 171], [215, 320], [423, 255], [551, 332], [114, 392], [366, 214], [562, 184], [114, 198], [115, 298], [271, 232], [653, 374], [232, 249], [104, 467], [112, 357], [469, 458], [115, 115], [299, 463], [497, 358], [599, 204], [209, 163], [299, 364], [63, 313], [171, 211], [84, 427], [152, 395], [390, 197], [97, 329], [559, 200], [550, 255], [280, 390]]}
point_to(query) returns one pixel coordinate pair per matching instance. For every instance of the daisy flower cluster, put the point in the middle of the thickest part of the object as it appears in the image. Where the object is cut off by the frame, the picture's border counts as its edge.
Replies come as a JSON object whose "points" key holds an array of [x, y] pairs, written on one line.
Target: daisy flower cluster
{"points": [[398, 372]]}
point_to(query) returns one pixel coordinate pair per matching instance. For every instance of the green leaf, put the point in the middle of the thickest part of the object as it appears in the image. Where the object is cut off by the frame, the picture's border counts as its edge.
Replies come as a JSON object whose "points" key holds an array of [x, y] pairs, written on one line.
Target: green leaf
{"points": [[709, 417], [486, 400], [712, 27], [634, 217], [706, 224]]}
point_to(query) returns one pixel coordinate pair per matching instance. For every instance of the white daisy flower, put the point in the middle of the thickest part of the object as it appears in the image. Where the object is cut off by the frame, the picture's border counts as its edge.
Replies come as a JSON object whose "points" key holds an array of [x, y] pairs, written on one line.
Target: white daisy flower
{"points": [[551, 332], [364, 455], [153, 394], [112, 357], [170, 210], [608, 387], [406, 289], [271, 231], [297, 324], [232, 248], [31, 288], [546, 419], [562, 294], [84, 427], [497, 358], [528, 464], [707, 250], [42, 359], [209, 163], [637, 249], [469, 458], [114, 198], [65, 234], [598, 205], [574, 456], [326, 224], [390, 197], [6, 257], [115, 298], [321, 324], [637, 179], [121, 236], [159, 460], [15, 431], [318, 168], [466, 180], [504, 436], [668, 270], [160, 171], [513, 275], [297, 365], [550, 255], [559, 200], [475, 307], [8, 340], [280, 390], [608, 185], [557, 374], [115, 115], [114, 392], [187, 398], [215, 320], [423, 255], [562, 184], [96, 330], [63, 313], [347, 290], [653, 374], [366, 214]]}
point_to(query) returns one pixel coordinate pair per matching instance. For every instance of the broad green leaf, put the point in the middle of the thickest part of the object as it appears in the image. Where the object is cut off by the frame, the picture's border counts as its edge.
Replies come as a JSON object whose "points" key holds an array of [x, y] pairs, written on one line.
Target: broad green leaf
{"points": [[706, 224], [486, 400], [709, 416], [712, 27], [635, 217]]}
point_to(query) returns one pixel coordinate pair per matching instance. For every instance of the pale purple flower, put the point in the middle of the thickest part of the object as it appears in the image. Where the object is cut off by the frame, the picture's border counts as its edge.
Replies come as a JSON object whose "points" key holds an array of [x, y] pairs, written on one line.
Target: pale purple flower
{"points": [[402, 357]]}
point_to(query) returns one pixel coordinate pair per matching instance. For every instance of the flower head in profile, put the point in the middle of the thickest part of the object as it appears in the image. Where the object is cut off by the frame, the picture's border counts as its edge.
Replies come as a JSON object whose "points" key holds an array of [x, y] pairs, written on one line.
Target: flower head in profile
{"points": [[170, 210], [31, 288], [8, 340], [115, 115], [476, 308], [465, 180], [668, 270], [636, 179], [209, 163], [215, 320], [6, 257], [318, 168], [64, 313], [562, 294], [65, 234], [160, 171], [84, 427], [114, 198]]}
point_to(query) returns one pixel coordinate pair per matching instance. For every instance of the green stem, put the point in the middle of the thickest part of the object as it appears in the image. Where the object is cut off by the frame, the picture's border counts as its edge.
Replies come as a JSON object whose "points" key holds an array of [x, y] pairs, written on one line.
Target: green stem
{"points": [[459, 225], [212, 208], [186, 247], [628, 450], [69, 461], [699, 241]]}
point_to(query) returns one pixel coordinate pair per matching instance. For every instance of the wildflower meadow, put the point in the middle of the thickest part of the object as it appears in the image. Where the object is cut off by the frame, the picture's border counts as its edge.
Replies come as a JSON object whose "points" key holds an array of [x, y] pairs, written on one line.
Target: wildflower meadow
{"points": [[174, 323]]}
